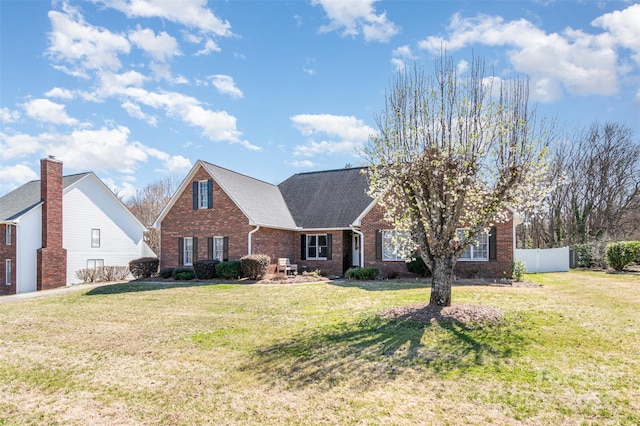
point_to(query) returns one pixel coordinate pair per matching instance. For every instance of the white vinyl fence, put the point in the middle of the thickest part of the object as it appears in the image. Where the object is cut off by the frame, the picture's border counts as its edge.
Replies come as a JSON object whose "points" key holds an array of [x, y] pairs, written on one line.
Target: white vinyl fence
{"points": [[545, 260]]}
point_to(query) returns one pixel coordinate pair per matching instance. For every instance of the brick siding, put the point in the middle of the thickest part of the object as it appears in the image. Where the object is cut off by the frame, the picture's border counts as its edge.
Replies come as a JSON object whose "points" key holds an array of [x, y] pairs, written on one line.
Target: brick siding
{"points": [[52, 257]]}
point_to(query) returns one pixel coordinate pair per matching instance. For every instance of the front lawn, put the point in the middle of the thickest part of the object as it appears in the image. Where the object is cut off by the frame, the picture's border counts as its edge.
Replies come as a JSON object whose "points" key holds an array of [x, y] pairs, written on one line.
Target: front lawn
{"points": [[141, 353]]}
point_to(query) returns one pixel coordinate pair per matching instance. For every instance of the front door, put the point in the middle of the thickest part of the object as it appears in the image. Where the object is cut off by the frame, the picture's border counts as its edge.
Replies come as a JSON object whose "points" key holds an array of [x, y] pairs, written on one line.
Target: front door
{"points": [[355, 253]]}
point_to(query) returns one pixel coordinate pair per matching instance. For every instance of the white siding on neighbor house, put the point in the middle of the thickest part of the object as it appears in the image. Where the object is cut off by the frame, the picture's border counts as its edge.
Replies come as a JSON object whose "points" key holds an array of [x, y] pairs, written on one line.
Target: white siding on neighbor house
{"points": [[89, 205], [28, 240]]}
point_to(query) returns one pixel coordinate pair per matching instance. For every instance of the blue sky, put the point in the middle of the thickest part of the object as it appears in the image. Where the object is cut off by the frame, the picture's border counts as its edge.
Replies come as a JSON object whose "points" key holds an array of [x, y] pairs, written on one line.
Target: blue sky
{"points": [[136, 90]]}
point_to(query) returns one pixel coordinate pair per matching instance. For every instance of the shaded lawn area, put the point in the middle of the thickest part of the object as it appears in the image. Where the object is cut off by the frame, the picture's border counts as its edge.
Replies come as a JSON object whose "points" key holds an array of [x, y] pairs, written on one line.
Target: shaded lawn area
{"points": [[141, 353]]}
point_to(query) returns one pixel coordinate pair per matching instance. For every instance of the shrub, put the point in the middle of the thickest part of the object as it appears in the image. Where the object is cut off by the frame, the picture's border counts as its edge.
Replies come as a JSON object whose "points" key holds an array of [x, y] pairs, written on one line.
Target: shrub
{"points": [[182, 273], [229, 270], [144, 267], [416, 265], [587, 256], [88, 275], [255, 266], [362, 273], [115, 273], [205, 269], [622, 253], [166, 273], [518, 268]]}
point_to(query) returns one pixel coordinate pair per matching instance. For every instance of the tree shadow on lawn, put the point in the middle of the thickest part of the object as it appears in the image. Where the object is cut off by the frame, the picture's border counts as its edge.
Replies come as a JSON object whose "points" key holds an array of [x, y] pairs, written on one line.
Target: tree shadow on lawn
{"points": [[409, 283], [140, 286], [375, 349]]}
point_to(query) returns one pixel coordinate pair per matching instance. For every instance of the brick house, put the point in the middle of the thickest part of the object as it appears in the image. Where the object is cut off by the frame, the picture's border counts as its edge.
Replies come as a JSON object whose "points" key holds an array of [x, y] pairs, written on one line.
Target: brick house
{"points": [[52, 227], [319, 220]]}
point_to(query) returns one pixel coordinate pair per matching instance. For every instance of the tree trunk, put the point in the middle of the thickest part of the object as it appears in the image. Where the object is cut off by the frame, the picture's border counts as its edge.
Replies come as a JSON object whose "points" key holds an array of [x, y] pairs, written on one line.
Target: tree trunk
{"points": [[441, 280]]}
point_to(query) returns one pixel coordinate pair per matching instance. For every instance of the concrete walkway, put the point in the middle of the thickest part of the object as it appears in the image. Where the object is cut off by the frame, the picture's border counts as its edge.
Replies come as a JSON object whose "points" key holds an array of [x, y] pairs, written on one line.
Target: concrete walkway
{"points": [[52, 292]]}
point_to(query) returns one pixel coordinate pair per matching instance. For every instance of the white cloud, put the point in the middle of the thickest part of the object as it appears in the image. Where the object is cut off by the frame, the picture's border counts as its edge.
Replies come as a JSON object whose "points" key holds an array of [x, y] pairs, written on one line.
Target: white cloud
{"points": [[161, 47], [347, 134], [9, 116], [573, 61], [624, 27], [58, 92], [17, 146], [14, 176], [357, 17], [209, 46], [192, 13], [400, 56], [302, 164], [135, 111], [226, 85], [83, 46], [46, 111]]}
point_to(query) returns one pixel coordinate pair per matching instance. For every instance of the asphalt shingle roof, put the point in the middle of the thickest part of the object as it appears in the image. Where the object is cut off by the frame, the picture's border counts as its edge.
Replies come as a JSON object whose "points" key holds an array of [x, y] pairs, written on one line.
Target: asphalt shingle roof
{"points": [[262, 202], [326, 199], [24, 198]]}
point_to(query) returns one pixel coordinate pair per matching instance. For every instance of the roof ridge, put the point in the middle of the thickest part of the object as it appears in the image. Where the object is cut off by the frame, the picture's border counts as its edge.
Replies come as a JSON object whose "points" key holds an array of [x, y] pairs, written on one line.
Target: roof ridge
{"points": [[331, 170], [237, 173]]}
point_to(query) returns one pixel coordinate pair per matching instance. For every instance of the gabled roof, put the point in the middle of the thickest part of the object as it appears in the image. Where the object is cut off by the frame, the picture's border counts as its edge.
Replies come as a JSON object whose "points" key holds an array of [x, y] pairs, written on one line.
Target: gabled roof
{"points": [[260, 201], [327, 199], [26, 197]]}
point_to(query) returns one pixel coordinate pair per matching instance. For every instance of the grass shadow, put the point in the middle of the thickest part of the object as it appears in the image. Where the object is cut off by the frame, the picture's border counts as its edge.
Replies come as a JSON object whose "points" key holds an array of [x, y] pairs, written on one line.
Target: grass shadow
{"points": [[141, 286], [375, 349], [383, 285]]}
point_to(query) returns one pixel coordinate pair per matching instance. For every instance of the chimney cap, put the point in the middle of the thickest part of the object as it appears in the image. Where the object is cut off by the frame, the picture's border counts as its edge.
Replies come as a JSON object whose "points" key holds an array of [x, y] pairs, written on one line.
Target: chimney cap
{"points": [[51, 158]]}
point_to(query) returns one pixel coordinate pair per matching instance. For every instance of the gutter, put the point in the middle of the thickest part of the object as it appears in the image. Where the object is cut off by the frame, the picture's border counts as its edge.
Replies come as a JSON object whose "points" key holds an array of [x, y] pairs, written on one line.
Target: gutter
{"points": [[361, 244], [249, 237]]}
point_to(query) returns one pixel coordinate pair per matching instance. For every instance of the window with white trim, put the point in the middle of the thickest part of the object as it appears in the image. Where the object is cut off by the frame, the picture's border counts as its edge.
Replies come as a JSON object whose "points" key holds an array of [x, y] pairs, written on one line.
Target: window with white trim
{"points": [[95, 263], [218, 248], [390, 251], [8, 234], [7, 271], [95, 238], [203, 194], [317, 246], [188, 251], [479, 250]]}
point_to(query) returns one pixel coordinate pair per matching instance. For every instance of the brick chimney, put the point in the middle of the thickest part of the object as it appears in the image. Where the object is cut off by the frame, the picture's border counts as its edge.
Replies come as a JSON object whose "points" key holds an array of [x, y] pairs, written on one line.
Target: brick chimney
{"points": [[52, 257]]}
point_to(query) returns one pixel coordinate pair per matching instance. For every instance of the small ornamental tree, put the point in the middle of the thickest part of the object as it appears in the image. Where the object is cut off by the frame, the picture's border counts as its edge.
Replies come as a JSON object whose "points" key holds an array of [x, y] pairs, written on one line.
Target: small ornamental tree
{"points": [[454, 151]]}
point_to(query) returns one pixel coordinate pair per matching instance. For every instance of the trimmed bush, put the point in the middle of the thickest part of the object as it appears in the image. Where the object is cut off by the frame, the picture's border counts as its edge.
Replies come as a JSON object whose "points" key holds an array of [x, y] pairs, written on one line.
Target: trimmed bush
{"points": [[229, 270], [182, 273], [144, 267], [255, 266], [587, 256], [205, 269], [362, 273], [622, 253], [416, 265], [166, 273], [518, 269]]}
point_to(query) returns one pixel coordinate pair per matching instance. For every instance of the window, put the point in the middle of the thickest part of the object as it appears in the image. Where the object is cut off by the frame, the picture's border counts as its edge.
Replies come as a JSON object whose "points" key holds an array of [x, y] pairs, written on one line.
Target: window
{"points": [[95, 238], [479, 250], [95, 263], [204, 194], [7, 270], [317, 246], [188, 251], [218, 248], [9, 230], [390, 251]]}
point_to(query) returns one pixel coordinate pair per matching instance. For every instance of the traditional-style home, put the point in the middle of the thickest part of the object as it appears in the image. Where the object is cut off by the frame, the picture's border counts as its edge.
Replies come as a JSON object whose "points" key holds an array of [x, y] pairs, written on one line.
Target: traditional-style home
{"points": [[320, 221], [53, 227]]}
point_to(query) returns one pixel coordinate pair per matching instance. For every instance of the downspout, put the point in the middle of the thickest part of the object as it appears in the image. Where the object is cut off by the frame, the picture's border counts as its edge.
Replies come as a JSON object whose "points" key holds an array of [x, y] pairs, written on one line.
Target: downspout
{"points": [[361, 244], [249, 237]]}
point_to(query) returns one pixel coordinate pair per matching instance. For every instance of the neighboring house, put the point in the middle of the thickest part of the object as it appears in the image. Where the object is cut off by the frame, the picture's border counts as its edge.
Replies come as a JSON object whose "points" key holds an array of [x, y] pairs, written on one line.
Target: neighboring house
{"points": [[50, 229], [320, 220]]}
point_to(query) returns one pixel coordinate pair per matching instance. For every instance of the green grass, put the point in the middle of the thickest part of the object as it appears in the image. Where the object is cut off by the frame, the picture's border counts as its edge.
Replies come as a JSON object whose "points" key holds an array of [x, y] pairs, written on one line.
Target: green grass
{"points": [[566, 353]]}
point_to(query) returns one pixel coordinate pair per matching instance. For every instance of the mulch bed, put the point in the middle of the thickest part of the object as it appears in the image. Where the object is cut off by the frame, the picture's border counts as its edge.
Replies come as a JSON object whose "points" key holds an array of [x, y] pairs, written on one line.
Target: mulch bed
{"points": [[467, 315]]}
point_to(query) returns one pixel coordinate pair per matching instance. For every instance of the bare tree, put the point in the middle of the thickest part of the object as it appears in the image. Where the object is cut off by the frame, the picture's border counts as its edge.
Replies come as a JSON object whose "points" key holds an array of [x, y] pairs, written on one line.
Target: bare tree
{"points": [[597, 191], [454, 151], [147, 204]]}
